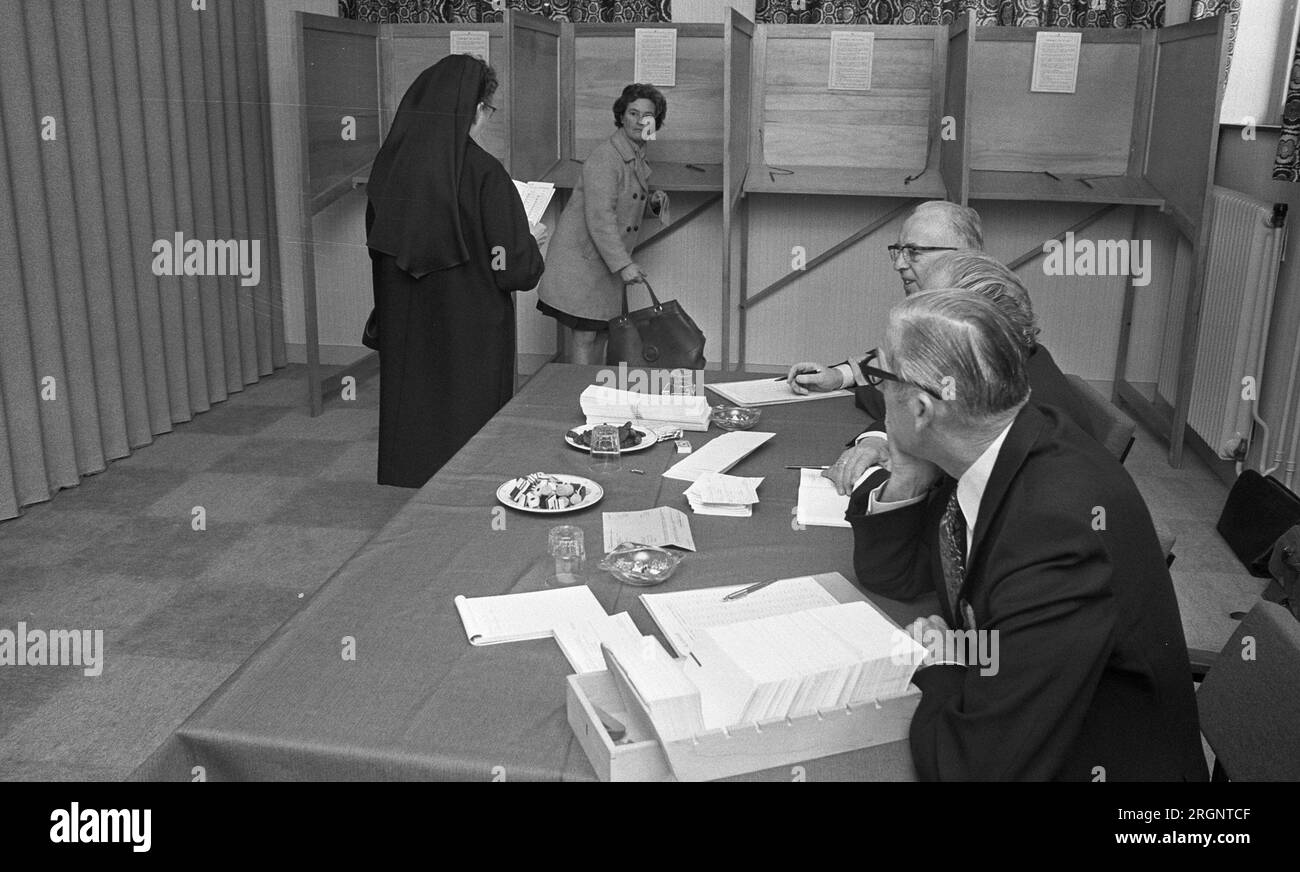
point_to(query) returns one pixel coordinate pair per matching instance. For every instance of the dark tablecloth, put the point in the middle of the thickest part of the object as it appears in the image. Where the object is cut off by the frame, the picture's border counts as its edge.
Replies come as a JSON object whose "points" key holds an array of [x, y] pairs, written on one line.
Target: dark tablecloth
{"points": [[418, 701]]}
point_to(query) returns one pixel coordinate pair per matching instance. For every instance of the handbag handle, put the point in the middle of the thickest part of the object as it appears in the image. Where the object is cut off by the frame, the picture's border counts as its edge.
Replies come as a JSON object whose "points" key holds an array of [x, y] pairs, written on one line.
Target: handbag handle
{"points": [[653, 298]]}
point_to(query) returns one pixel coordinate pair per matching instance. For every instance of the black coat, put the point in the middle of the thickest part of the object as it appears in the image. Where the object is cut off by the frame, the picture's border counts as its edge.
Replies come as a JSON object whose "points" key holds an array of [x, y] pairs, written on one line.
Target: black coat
{"points": [[1093, 680], [447, 340]]}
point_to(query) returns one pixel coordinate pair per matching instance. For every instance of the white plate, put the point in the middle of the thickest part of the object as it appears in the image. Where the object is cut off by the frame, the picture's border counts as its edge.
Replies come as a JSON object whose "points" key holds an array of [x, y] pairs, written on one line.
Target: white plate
{"points": [[594, 494], [648, 438]]}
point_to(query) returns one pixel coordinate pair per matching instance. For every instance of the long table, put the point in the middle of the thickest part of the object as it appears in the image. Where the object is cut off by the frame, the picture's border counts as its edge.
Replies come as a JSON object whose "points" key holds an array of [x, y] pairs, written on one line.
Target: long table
{"points": [[374, 678]]}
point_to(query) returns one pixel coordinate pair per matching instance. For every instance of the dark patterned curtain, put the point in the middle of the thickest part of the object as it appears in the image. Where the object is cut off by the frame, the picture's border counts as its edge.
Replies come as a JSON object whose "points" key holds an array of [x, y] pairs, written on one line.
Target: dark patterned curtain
{"points": [[1017, 13], [1286, 166], [451, 11]]}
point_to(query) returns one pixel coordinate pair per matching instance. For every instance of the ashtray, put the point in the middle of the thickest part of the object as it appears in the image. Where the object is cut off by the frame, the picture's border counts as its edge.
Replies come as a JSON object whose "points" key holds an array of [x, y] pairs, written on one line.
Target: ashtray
{"points": [[735, 417], [640, 565]]}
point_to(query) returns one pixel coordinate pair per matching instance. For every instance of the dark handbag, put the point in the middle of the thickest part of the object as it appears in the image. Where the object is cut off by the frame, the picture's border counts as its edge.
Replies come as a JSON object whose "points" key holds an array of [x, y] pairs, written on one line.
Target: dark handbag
{"points": [[1259, 510], [370, 333], [662, 335], [1284, 566]]}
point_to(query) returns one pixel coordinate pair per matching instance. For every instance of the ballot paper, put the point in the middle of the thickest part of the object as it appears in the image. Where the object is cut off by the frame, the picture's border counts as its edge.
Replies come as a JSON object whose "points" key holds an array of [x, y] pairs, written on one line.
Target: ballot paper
{"points": [[662, 526], [766, 392], [682, 614], [716, 493], [490, 620], [606, 405], [536, 197], [792, 665], [670, 698], [719, 455], [580, 641], [819, 503]]}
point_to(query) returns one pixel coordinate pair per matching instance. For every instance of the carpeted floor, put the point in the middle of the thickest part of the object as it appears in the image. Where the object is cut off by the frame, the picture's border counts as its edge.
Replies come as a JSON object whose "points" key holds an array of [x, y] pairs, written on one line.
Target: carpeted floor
{"points": [[287, 500]]}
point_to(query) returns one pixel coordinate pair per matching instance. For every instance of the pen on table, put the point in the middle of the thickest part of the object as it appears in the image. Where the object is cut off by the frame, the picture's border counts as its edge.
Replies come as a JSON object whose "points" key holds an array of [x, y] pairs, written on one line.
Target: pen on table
{"points": [[698, 169], [746, 591], [1051, 175], [807, 467]]}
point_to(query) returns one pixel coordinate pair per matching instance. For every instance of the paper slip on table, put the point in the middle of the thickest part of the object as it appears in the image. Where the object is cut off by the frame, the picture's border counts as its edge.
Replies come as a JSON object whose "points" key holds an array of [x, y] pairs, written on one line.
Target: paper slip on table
{"points": [[419, 702]]}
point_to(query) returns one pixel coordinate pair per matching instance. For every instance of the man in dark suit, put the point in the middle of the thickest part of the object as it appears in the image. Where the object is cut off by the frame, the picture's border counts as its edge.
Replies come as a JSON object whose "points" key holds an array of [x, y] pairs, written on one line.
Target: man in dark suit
{"points": [[1027, 529]]}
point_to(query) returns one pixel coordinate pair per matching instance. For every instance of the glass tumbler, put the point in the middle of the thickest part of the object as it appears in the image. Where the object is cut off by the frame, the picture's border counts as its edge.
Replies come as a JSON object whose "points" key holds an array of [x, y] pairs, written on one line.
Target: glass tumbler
{"points": [[570, 555]]}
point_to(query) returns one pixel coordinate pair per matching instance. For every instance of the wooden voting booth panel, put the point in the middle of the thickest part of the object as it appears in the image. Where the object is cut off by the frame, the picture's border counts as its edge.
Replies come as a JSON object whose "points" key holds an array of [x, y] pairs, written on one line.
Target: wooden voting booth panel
{"points": [[340, 86], [534, 91], [738, 42], [809, 138], [954, 141], [1084, 146], [1178, 161]]}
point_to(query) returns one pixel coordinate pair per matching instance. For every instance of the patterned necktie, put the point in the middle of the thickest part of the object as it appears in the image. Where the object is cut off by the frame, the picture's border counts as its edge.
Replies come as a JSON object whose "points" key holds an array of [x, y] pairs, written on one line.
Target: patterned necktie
{"points": [[952, 551]]}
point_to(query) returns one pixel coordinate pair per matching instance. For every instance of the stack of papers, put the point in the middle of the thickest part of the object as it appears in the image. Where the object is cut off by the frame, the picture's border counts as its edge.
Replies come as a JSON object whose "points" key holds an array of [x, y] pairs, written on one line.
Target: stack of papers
{"points": [[719, 455], [571, 615], [670, 698], [580, 641], [819, 503], [789, 666], [716, 493], [605, 405], [767, 392]]}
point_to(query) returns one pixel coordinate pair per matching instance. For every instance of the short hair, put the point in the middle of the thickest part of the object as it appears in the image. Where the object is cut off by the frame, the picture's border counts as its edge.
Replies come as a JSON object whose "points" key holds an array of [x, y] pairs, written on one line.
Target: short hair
{"points": [[972, 270], [488, 86], [635, 92], [964, 221], [964, 340]]}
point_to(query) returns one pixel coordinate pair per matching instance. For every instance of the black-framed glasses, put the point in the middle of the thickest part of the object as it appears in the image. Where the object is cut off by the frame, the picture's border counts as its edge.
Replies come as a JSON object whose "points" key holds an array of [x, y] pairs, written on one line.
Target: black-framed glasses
{"points": [[876, 376], [912, 252], [490, 108]]}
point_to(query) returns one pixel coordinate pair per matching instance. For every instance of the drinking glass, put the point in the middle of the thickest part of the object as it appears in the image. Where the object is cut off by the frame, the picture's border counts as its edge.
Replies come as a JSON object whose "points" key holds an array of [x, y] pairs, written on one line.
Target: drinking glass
{"points": [[606, 455], [570, 555]]}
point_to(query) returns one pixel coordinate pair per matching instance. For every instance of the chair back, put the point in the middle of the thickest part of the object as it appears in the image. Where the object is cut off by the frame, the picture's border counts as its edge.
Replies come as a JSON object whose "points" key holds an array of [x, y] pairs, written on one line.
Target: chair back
{"points": [[1120, 428], [1249, 702]]}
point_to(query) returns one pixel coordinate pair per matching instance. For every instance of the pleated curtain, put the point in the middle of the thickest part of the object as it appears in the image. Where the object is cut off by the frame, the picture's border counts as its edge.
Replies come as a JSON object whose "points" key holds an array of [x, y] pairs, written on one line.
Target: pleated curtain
{"points": [[125, 123]]}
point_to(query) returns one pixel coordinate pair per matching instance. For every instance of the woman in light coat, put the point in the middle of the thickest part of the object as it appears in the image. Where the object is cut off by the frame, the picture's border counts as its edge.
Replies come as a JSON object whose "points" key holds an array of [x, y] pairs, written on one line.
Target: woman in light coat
{"points": [[590, 256]]}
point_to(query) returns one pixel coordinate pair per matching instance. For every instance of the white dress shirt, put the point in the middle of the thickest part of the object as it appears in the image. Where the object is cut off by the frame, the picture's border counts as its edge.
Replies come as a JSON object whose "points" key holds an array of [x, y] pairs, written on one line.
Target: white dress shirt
{"points": [[970, 488]]}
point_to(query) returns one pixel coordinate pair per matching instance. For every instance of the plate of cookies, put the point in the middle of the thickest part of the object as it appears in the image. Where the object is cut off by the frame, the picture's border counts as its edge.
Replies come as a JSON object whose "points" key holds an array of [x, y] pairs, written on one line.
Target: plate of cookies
{"points": [[547, 493]]}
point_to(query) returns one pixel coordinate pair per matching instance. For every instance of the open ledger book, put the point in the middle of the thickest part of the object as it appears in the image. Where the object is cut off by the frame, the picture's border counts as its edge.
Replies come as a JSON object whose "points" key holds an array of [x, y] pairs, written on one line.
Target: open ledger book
{"points": [[780, 652]]}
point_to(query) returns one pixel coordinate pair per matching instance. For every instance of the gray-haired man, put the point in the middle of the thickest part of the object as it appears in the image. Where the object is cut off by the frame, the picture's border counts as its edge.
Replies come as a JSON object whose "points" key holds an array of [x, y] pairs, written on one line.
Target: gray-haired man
{"points": [[1025, 527]]}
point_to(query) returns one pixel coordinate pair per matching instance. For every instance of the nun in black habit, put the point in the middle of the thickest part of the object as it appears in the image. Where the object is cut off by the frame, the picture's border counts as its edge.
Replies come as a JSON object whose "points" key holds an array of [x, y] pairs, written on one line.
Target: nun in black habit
{"points": [[449, 242]]}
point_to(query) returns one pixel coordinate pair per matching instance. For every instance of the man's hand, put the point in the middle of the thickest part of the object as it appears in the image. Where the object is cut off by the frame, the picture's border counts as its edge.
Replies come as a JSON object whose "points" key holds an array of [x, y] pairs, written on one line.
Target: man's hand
{"points": [[807, 377], [930, 634], [632, 274], [909, 476], [870, 451]]}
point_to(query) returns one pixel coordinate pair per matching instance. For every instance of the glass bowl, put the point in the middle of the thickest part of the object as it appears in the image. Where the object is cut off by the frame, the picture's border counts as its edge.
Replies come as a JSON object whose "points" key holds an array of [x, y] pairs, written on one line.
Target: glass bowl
{"points": [[640, 565], [735, 417]]}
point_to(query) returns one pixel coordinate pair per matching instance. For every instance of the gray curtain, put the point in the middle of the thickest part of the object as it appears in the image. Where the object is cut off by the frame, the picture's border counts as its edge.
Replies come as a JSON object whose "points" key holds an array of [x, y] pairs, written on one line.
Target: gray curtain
{"points": [[126, 123]]}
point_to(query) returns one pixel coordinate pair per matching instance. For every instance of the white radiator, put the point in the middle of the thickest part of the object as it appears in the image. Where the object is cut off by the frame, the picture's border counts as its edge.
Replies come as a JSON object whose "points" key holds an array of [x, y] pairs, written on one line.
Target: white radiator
{"points": [[1241, 279]]}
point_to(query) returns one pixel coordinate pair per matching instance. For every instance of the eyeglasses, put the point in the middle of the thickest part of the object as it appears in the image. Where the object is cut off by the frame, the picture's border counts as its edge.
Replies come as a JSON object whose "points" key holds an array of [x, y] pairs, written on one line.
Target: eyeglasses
{"points": [[490, 109], [912, 252], [876, 376]]}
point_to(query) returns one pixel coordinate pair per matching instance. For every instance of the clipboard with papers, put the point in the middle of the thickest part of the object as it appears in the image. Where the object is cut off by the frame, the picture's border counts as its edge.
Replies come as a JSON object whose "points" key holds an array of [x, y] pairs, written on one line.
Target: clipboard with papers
{"points": [[650, 751]]}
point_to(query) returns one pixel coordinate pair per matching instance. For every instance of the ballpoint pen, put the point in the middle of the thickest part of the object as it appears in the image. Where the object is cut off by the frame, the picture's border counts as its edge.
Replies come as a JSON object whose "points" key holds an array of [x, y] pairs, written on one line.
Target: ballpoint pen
{"points": [[746, 591], [807, 467]]}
